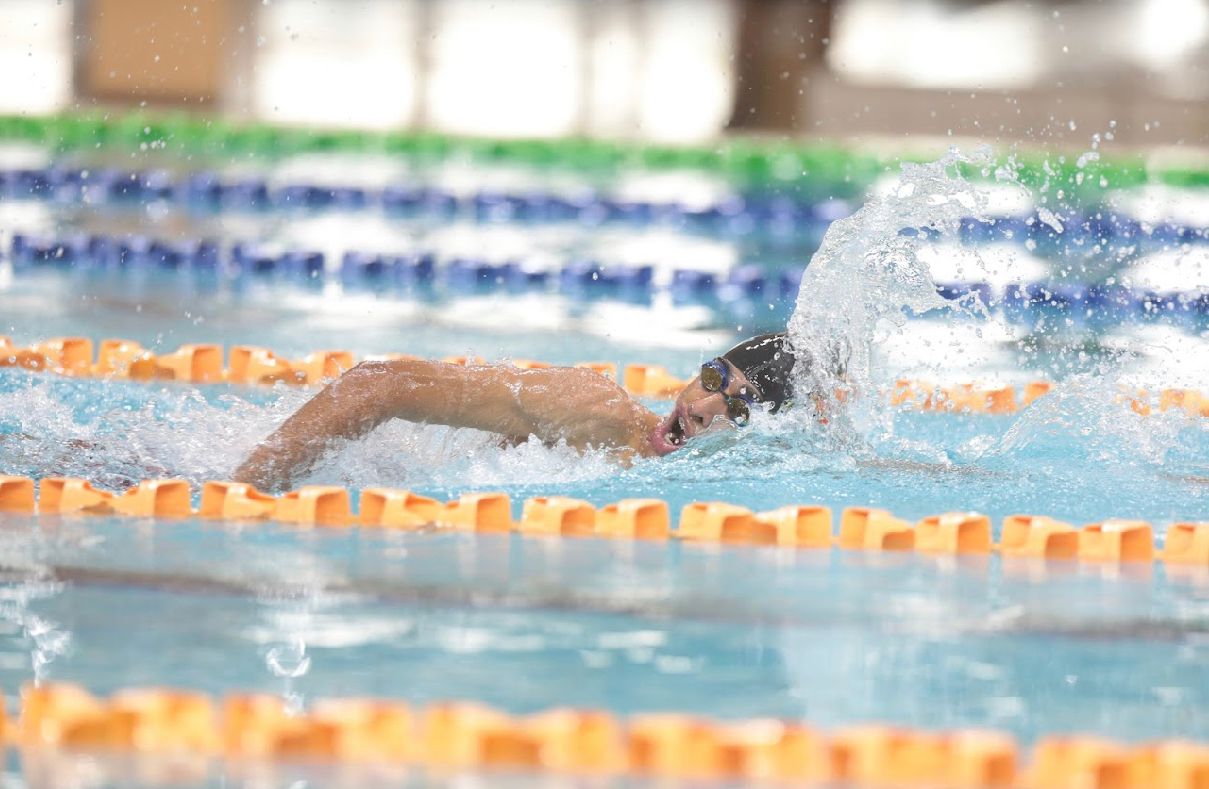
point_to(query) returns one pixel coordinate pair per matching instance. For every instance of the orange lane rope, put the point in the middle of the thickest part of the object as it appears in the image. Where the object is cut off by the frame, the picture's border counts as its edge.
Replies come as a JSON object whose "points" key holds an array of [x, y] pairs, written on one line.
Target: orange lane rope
{"points": [[247, 364], [795, 526], [467, 735]]}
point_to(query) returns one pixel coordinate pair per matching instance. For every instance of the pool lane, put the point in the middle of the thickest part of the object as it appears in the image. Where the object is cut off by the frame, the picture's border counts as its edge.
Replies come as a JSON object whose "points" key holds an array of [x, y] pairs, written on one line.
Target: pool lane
{"points": [[528, 623]]}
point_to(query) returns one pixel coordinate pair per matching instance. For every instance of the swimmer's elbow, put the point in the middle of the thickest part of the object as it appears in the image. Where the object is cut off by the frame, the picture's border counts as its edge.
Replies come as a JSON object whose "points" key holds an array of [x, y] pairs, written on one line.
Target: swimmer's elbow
{"points": [[366, 375], [365, 396], [416, 390]]}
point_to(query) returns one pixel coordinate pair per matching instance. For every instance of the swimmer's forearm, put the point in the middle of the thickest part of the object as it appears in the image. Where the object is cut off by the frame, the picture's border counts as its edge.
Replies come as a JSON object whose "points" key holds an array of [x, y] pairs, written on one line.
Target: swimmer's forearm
{"points": [[295, 446], [362, 399]]}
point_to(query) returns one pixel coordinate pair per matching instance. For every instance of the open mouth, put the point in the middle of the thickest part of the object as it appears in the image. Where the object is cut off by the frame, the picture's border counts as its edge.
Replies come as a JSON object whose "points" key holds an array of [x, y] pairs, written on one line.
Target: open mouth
{"points": [[671, 434], [675, 431]]}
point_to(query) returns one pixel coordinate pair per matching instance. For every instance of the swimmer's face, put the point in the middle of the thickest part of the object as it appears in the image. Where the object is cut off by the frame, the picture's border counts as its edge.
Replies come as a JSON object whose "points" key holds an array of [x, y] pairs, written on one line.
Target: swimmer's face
{"points": [[697, 410]]}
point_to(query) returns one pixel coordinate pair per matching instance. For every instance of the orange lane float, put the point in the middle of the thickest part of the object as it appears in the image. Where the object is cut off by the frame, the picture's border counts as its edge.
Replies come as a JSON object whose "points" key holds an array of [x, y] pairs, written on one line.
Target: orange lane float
{"points": [[315, 505], [16, 494], [461, 734], [239, 360], [114, 358], [969, 399], [887, 756], [558, 516], [159, 498], [235, 501], [1117, 541], [247, 364], [769, 750], [864, 528], [636, 519], [1187, 543], [397, 509], [199, 364], [28, 359], [1034, 390], [67, 355], [583, 741], [349, 730], [69, 495], [717, 521], [801, 526], [1171, 765], [793, 526], [962, 398], [266, 367], [1073, 761], [482, 512], [253, 724], [670, 745], [57, 713], [954, 532], [982, 758], [458, 735], [163, 720], [650, 380], [324, 365], [1038, 537]]}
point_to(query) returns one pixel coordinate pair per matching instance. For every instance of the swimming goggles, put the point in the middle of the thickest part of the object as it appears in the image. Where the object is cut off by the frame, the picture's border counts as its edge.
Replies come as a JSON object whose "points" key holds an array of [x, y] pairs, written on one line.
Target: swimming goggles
{"points": [[715, 377]]}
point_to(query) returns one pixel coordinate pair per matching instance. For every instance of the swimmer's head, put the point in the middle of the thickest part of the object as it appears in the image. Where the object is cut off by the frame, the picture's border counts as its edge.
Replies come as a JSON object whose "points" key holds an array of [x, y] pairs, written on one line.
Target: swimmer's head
{"points": [[755, 373]]}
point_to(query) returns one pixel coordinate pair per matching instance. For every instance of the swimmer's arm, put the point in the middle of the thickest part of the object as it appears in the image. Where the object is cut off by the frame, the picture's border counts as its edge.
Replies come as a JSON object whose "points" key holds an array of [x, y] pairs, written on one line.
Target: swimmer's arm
{"points": [[370, 394], [502, 400]]}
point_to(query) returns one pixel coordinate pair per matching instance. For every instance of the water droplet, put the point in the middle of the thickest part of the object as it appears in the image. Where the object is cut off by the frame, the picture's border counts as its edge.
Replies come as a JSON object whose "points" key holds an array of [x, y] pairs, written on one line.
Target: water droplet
{"points": [[288, 661]]}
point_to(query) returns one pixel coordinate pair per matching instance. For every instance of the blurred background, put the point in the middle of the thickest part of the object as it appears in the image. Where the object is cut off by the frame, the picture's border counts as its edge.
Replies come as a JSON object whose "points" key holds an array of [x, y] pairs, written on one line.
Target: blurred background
{"points": [[666, 70]]}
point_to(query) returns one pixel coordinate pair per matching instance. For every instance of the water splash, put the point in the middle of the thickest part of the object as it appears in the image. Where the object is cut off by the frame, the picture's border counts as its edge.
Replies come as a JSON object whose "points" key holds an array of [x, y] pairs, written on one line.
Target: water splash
{"points": [[867, 273], [115, 435]]}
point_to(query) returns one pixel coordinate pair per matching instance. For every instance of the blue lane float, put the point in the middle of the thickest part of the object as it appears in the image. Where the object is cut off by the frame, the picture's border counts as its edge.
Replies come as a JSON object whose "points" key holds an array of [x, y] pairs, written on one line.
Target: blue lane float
{"points": [[577, 278], [736, 214]]}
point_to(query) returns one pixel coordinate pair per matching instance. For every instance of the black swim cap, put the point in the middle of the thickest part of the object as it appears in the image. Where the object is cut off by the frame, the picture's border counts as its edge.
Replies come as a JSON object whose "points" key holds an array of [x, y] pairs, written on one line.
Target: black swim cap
{"points": [[767, 361]]}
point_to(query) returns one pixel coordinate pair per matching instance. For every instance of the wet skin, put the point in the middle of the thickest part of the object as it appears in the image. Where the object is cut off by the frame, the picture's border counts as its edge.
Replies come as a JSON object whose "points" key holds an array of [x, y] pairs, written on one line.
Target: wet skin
{"points": [[696, 410], [562, 404]]}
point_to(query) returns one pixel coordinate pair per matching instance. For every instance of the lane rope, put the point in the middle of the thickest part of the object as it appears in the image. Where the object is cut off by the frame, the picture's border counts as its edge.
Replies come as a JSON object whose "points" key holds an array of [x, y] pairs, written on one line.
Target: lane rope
{"points": [[153, 723], [203, 363], [807, 527]]}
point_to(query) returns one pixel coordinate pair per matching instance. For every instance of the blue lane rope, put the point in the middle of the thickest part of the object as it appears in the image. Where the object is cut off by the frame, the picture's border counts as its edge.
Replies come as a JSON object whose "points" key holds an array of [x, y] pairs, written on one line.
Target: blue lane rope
{"points": [[765, 212], [426, 273]]}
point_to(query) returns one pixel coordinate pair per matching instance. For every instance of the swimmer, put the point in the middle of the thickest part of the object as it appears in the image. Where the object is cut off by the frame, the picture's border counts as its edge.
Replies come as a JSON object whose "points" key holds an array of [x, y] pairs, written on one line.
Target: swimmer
{"points": [[560, 404]]}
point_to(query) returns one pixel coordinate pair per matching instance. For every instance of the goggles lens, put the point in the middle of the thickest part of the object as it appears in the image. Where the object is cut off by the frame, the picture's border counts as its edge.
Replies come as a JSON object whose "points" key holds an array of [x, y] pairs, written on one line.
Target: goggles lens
{"points": [[737, 411], [715, 377]]}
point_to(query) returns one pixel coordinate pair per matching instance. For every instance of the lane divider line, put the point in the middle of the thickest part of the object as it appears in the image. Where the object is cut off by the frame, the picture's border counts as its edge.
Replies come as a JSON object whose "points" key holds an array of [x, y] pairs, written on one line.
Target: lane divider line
{"points": [[469, 735], [807, 527], [202, 363]]}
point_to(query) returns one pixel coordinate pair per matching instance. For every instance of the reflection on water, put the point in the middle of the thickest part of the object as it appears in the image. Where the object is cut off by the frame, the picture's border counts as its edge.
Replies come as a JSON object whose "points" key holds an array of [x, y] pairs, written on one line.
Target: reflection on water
{"points": [[525, 624]]}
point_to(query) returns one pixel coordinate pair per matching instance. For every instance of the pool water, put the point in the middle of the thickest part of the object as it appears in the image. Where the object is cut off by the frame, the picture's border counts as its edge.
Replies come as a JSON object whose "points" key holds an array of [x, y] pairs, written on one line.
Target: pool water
{"points": [[526, 623], [530, 623], [923, 463]]}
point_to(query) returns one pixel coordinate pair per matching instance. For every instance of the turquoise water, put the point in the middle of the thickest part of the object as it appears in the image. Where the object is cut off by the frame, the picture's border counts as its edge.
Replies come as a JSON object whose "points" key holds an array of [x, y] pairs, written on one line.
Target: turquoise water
{"points": [[1138, 467], [828, 637], [528, 623]]}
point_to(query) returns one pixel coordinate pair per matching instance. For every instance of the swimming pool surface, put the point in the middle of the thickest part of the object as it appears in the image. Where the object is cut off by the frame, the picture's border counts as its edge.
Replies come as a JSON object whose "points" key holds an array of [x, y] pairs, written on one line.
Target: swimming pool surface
{"points": [[524, 623], [530, 623]]}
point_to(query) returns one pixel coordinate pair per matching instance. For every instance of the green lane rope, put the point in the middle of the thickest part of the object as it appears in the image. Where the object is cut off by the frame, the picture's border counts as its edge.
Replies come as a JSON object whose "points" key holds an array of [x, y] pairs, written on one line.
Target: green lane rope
{"points": [[805, 169]]}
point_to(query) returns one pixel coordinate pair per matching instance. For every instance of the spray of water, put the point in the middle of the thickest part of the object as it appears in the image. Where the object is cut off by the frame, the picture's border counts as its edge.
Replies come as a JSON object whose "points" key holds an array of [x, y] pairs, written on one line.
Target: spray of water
{"points": [[868, 273], [115, 435]]}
